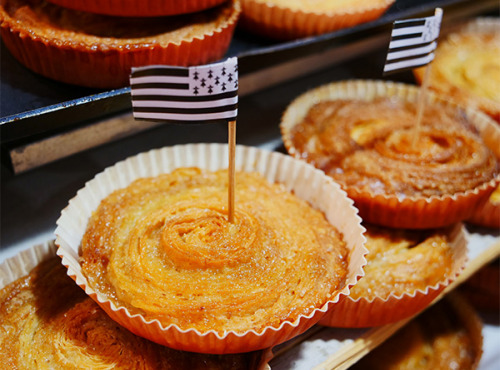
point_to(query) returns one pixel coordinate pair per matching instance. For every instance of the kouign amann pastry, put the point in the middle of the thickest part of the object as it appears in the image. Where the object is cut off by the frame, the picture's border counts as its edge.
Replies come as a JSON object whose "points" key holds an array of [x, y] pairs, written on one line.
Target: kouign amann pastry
{"points": [[364, 134], [138, 8], [284, 19], [406, 270], [445, 336], [466, 66], [159, 254], [48, 321], [98, 51]]}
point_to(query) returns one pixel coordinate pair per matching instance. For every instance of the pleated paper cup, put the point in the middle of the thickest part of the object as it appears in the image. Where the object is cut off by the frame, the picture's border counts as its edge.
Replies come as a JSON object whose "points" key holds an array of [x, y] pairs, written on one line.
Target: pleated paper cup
{"points": [[489, 214], [138, 8], [303, 180], [411, 212], [24, 262], [75, 48], [282, 20], [377, 311]]}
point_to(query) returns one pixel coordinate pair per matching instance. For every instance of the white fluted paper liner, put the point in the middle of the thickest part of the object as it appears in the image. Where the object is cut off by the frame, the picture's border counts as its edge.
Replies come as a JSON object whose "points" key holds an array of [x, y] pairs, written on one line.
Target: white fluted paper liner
{"points": [[388, 209], [22, 263], [302, 179], [377, 311]]}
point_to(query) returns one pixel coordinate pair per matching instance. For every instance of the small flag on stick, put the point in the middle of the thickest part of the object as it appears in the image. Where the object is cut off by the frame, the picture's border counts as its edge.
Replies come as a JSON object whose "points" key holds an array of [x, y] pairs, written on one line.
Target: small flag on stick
{"points": [[413, 42], [199, 94]]}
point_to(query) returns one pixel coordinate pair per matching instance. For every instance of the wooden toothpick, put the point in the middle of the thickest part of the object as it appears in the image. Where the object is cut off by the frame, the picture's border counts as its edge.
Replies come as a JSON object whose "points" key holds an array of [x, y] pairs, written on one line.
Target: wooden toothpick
{"points": [[231, 170]]}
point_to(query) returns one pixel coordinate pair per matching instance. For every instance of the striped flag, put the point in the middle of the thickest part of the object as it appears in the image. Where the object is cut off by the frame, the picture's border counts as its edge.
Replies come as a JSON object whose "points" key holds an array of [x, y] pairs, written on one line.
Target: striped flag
{"points": [[199, 94], [413, 42]]}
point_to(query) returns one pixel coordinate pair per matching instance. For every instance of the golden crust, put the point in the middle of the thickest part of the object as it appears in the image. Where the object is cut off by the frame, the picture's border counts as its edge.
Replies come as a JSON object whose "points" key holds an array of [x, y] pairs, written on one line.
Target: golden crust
{"points": [[281, 19], [466, 67], [162, 247], [98, 51], [375, 147], [47, 319], [402, 261]]}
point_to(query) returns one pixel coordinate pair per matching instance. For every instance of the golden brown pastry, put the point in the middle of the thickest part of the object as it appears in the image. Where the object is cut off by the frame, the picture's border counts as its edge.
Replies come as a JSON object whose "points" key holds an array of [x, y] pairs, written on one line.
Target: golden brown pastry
{"points": [[446, 336], [466, 67], [98, 51], [47, 321], [402, 174], [282, 19], [370, 147], [162, 247], [405, 271], [402, 261]]}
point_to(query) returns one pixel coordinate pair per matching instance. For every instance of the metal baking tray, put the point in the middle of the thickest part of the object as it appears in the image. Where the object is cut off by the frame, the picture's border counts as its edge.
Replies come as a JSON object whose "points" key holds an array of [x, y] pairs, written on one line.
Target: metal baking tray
{"points": [[33, 107]]}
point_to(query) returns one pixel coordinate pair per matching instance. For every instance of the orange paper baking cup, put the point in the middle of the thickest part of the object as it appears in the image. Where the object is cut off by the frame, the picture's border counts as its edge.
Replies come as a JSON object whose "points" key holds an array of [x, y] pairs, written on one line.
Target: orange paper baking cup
{"points": [[363, 312], [138, 8], [90, 58], [279, 21], [303, 180], [388, 209]]}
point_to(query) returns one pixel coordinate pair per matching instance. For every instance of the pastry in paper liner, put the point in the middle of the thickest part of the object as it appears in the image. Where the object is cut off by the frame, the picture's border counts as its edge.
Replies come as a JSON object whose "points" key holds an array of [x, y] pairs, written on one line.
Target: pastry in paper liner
{"points": [[55, 323], [303, 180], [466, 66], [384, 208], [99, 51], [447, 335], [138, 8], [400, 304], [290, 20]]}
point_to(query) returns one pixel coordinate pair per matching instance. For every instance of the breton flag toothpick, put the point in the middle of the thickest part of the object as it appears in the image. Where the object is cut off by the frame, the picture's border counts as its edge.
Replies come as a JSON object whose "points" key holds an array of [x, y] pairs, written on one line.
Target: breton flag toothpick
{"points": [[413, 42], [198, 94]]}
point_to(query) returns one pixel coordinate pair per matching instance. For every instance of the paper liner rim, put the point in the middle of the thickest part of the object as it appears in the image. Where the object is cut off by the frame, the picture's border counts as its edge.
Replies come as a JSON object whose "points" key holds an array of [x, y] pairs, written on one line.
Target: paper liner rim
{"points": [[357, 249], [458, 238], [22, 31], [331, 13]]}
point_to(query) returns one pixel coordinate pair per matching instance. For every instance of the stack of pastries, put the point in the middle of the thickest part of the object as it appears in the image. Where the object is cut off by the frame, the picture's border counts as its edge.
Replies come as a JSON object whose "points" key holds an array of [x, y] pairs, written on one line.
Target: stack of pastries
{"points": [[96, 43], [413, 182]]}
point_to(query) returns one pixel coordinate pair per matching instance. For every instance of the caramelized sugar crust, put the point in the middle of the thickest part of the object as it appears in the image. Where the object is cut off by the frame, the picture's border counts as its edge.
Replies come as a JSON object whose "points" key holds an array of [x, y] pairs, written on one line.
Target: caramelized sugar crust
{"points": [[47, 320], [163, 248], [377, 147]]}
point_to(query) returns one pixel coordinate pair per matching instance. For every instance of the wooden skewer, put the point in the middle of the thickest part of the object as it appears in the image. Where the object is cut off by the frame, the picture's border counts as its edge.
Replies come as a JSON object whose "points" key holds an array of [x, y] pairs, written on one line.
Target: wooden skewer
{"points": [[231, 170]]}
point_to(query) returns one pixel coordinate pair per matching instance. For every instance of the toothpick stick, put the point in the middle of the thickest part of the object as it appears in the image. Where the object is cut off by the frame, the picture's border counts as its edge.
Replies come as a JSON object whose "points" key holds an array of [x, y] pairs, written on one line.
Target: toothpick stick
{"points": [[231, 170], [422, 99]]}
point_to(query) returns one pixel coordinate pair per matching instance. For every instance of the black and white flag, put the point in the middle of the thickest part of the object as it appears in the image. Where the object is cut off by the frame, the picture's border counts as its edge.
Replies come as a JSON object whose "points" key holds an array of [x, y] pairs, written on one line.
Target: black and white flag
{"points": [[413, 42], [199, 94]]}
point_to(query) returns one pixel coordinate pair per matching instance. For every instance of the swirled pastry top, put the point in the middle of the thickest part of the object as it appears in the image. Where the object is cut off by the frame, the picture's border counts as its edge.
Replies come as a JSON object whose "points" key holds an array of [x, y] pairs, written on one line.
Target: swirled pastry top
{"points": [[466, 66], [375, 147], [66, 27], [48, 321], [403, 261], [163, 247]]}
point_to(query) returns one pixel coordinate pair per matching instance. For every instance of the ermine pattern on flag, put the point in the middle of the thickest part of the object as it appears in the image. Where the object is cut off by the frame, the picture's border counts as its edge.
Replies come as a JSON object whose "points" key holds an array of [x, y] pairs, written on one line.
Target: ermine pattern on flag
{"points": [[199, 94], [413, 43]]}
